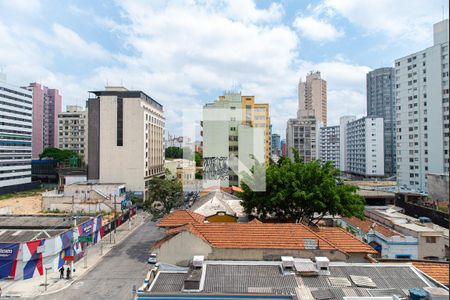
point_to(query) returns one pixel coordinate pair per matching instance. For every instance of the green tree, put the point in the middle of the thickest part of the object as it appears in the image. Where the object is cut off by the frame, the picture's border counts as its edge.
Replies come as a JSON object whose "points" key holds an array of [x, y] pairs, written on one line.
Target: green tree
{"points": [[163, 196], [177, 152], [61, 155], [198, 159], [295, 191]]}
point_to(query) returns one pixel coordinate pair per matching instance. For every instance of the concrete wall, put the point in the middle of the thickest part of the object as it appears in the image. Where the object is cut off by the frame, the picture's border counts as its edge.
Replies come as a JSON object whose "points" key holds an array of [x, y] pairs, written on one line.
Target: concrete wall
{"points": [[438, 187], [93, 138], [181, 248]]}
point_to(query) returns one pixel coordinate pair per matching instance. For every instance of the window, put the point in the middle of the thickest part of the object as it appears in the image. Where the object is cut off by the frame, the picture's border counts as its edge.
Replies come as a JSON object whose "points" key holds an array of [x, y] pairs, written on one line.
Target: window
{"points": [[119, 122], [431, 239]]}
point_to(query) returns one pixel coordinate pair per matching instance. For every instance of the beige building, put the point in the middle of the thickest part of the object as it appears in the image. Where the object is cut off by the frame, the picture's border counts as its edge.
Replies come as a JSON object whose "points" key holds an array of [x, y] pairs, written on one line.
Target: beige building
{"points": [[433, 239], [312, 95], [126, 138], [73, 130], [181, 169]]}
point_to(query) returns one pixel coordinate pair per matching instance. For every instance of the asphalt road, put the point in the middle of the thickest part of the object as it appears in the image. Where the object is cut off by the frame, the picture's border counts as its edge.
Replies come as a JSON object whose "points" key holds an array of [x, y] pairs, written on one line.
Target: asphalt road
{"points": [[122, 267]]}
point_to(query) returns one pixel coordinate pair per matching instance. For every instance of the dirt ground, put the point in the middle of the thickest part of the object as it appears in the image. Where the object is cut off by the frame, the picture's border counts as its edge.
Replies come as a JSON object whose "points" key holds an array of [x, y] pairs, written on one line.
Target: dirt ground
{"points": [[23, 205]]}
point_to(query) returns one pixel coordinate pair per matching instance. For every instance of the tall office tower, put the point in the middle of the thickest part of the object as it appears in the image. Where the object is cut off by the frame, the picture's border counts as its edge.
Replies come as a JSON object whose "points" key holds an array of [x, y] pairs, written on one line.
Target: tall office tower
{"points": [[283, 148], [329, 145], [381, 104], [302, 134], [343, 122], [235, 131], [126, 138], [73, 130], [46, 107], [312, 95], [422, 118], [276, 144], [16, 120], [365, 147]]}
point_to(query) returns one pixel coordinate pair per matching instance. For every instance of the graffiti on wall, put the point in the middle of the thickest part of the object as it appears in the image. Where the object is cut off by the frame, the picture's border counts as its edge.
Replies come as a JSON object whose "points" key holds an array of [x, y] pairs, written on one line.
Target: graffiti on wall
{"points": [[215, 168]]}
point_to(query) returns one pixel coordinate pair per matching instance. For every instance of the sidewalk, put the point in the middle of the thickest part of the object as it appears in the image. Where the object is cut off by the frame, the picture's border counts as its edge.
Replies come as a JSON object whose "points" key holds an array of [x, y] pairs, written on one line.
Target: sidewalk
{"points": [[36, 286]]}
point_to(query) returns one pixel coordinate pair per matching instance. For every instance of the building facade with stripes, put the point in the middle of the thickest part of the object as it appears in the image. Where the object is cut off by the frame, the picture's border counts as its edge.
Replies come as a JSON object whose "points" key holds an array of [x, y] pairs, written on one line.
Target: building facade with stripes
{"points": [[16, 120]]}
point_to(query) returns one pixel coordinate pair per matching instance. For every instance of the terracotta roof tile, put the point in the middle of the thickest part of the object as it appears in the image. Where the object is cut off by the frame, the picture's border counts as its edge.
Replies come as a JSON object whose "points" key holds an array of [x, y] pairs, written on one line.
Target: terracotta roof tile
{"points": [[436, 270], [439, 271], [367, 224], [180, 218], [255, 235], [344, 240]]}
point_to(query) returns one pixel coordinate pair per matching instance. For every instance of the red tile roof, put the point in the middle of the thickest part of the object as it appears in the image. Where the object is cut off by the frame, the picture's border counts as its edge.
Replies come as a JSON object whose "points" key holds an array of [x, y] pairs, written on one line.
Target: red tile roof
{"points": [[436, 270], [257, 235], [180, 218], [344, 240], [367, 224]]}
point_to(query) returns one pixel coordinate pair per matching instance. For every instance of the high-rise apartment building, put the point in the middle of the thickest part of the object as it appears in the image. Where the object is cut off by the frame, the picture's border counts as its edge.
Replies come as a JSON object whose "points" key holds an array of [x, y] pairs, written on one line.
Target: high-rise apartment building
{"points": [[381, 104], [16, 120], [343, 121], [235, 133], [73, 130], [365, 147], [422, 112], [302, 134], [126, 138], [312, 95], [329, 145], [46, 107], [276, 144]]}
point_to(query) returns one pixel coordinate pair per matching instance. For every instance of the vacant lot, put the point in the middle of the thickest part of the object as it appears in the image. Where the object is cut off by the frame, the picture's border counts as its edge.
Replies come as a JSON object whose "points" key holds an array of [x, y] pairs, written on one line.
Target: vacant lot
{"points": [[25, 205]]}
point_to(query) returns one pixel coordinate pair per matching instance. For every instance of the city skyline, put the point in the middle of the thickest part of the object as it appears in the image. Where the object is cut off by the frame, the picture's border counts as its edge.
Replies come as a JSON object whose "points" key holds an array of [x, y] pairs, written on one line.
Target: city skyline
{"points": [[274, 43]]}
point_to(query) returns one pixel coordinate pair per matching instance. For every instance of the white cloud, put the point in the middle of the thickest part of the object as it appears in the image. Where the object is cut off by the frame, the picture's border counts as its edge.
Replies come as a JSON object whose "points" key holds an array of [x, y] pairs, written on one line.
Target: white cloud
{"points": [[316, 29], [405, 20]]}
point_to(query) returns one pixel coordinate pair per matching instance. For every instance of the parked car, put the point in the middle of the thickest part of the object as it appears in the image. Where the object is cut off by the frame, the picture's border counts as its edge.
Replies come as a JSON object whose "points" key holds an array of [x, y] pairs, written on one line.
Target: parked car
{"points": [[152, 259]]}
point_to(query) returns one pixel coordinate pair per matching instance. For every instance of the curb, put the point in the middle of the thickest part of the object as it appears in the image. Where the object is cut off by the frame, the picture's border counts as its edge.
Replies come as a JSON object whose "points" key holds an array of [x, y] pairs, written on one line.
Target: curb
{"points": [[89, 268]]}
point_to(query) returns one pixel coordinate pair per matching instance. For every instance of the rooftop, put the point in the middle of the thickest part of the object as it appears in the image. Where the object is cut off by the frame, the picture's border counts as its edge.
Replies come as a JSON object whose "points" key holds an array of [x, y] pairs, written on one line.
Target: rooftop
{"points": [[21, 222], [214, 202], [25, 235], [437, 270], [124, 93], [180, 218], [368, 224], [257, 235], [271, 278]]}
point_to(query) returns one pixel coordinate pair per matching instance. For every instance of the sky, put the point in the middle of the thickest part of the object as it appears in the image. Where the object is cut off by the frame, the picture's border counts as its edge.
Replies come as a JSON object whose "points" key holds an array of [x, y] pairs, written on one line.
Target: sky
{"points": [[186, 53]]}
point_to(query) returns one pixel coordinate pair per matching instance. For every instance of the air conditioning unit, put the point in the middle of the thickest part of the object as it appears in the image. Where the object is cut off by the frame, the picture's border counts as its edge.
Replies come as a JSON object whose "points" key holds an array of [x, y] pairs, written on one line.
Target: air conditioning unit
{"points": [[197, 261], [287, 261], [322, 263]]}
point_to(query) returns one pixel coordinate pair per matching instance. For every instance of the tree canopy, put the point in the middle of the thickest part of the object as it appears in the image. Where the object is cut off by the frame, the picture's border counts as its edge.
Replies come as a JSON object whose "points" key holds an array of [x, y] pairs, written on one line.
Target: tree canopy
{"points": [[198, 159], [295, 191], [177, 152], [163, 195], [60, 155]]}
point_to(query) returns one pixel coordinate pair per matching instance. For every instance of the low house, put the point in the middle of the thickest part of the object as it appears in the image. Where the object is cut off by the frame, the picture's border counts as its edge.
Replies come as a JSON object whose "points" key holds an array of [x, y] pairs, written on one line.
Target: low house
{"points": [[86, 197], [220, 206], [432, 239], [180, 218], [258, 241], [388, 242]]}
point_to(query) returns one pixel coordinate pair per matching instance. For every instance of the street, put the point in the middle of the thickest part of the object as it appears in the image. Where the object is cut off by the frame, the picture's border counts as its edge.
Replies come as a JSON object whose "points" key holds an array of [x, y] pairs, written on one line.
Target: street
{"points": [[114, 276]]}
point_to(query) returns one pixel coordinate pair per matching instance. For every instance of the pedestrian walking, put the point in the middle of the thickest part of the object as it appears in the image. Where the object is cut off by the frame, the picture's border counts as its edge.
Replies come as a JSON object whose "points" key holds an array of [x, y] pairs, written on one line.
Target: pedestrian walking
{"points": [[61, 272], [68, 273]]}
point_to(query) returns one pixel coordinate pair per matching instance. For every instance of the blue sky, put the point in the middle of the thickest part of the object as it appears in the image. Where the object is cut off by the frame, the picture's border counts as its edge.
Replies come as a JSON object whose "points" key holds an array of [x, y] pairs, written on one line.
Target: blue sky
{"points": [[186, 53]]}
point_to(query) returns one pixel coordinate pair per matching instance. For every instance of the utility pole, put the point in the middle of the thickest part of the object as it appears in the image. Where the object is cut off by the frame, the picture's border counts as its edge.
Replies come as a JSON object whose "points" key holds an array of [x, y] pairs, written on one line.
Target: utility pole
{"points": [[115, 218]]}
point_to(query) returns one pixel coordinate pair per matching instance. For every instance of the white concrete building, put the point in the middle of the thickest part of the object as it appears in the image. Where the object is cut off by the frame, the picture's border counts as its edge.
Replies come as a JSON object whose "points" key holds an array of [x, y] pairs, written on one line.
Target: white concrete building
{"points": [[422, 112], [73, 130], [126, 138], [329, 144], [365, 147], [16, 120], [343, 121], [302, 134]]}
